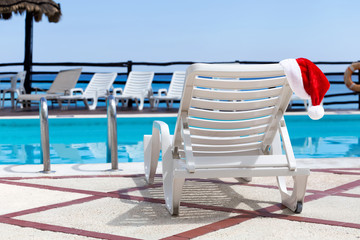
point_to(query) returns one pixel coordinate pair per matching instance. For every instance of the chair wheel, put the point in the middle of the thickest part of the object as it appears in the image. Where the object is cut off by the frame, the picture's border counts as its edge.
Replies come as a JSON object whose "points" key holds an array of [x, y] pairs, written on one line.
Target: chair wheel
{"points": [[299, 207]]}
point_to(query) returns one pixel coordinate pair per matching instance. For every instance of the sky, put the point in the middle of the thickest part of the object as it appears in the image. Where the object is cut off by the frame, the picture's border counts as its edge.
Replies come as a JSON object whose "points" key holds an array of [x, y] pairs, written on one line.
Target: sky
{"points": [[189, 30]]}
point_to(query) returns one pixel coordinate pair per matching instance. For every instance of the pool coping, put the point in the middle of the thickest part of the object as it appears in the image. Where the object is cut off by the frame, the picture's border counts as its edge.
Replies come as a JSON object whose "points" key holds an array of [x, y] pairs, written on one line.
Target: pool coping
{"points": [[30, 170], [145, 115]]}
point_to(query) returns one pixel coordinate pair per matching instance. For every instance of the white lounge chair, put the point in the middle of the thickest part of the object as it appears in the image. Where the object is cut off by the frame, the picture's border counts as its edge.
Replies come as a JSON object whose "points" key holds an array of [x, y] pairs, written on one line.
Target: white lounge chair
{"points": [[63, 82], [137, 87], [17, 86], [175, 90], [227, 128], [98, 87]]}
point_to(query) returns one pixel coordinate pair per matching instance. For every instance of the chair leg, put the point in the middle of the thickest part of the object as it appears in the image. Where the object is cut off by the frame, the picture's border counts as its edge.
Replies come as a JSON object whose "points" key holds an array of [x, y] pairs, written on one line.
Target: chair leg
{"points": [[172, 190], [12, 98], [86, 103], [124, 103], [3, 99], [152, 103], [141, 105], [172, 185], [16, 103], [152, 145], [294, 201], [60, 104], [151, 155], [94, 104], [136, 102]]}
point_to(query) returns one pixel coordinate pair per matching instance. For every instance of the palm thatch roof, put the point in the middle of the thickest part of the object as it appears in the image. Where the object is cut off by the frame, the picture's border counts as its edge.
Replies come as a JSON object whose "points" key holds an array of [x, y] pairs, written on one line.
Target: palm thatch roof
{"points": [[36, 7]]}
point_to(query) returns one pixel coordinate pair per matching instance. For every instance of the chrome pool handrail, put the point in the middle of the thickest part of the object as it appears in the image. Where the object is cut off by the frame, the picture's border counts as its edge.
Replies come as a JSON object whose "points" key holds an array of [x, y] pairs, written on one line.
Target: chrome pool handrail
{"points": [[44, 134], [111, 146]]}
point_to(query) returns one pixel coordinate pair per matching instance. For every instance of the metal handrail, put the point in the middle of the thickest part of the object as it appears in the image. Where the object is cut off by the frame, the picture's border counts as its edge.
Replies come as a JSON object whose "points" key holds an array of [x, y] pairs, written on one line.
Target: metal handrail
{"points": [[111, 150], [44, 134]]}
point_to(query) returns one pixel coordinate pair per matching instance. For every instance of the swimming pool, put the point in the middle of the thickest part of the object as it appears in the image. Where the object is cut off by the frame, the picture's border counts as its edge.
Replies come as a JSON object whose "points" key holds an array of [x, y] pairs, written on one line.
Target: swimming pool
{"points": [[83, 140]]}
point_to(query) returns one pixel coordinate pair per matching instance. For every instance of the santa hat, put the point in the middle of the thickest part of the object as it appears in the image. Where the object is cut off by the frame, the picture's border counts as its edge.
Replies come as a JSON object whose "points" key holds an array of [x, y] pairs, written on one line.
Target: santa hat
{"points": [[308, 82]]}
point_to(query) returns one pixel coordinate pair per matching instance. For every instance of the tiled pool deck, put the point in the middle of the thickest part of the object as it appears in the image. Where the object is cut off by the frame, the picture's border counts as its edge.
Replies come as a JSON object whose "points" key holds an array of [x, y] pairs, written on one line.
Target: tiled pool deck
{"points": [[97, 204], [88, 202]]}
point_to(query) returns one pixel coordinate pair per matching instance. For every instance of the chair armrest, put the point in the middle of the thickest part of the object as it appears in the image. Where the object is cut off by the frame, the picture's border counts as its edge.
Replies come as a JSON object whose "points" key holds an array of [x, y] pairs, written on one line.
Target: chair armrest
{"points": [[185, 132], [117, 90], [287, 145], [162, 91], [74, 90]]}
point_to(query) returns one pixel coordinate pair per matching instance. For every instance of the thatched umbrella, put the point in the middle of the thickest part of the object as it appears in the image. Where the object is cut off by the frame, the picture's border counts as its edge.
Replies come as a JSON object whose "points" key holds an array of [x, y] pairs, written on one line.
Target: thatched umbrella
{"points": [[34, 10]]}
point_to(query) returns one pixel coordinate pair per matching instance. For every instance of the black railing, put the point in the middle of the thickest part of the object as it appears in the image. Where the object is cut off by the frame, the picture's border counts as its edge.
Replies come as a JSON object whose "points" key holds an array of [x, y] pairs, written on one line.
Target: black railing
{"points": [[126, 67]]}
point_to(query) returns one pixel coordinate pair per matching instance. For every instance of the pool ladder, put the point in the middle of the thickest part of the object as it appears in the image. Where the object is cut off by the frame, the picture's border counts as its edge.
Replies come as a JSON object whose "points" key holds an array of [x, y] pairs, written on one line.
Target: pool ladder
{"points": [[111, 146], [44, 134]]}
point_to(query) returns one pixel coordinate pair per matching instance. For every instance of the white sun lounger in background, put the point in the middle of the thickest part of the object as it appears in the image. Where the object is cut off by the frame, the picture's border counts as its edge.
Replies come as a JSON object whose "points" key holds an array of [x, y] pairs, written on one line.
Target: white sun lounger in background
{"points": [[174, 92], [137, 87], [307, 102], [17, 86], [98, 87], [64, 81], [227, 128]]}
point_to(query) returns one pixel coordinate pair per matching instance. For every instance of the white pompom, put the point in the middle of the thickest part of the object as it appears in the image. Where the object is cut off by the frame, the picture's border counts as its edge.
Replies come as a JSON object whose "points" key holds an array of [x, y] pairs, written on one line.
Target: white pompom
{"points": [[316, 112]]}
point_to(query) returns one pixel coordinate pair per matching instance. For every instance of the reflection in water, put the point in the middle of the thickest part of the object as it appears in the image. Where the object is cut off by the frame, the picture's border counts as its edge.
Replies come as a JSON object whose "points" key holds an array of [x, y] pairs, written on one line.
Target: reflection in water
{"points": [[305, 147], [136, 152], [326, 147], [68, 153], [29, 153], [354, 149]]}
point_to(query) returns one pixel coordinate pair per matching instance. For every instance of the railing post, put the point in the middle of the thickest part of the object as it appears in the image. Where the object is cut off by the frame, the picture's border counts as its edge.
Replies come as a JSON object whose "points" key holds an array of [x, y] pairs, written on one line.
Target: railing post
{"points": [[44, 135], [129, 67], [111, 149]]}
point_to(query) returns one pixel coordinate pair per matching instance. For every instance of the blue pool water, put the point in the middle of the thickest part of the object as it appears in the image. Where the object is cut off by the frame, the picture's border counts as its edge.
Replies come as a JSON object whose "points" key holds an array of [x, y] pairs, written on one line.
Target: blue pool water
{"points": [[83, 140]]}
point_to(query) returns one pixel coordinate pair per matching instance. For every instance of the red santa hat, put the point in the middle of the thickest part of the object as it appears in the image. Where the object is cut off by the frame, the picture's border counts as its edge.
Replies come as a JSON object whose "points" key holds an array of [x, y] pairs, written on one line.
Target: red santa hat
{"points": [[308, 82]]}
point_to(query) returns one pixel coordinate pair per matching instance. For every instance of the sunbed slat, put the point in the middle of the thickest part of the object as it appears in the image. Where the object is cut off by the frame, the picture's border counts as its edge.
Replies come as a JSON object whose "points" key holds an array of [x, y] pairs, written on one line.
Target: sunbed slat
{"points": [[201, 123], [222, 105], [239, 84], [218, 148], [226, 141], [202, 113], [236, 95], [227, 133]]}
